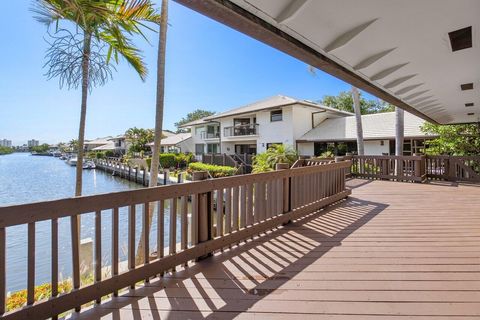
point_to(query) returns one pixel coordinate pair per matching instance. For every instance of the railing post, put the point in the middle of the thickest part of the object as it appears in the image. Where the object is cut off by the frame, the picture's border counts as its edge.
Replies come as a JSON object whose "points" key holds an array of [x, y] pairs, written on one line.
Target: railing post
{"points": [[205, 213]]}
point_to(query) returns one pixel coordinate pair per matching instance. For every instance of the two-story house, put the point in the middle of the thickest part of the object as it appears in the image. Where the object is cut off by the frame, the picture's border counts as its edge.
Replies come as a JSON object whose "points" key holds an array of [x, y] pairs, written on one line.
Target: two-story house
{"points": [[253, 128]]}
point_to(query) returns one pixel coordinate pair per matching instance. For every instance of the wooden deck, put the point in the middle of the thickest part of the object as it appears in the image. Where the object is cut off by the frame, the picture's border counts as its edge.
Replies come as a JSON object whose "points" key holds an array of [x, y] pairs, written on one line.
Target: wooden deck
{"points": [[391, 250]]}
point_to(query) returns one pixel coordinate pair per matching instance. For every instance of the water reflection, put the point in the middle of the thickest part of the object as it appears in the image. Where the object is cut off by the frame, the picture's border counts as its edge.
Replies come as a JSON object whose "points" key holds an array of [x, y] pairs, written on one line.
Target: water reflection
{"points": [[25, 178]]}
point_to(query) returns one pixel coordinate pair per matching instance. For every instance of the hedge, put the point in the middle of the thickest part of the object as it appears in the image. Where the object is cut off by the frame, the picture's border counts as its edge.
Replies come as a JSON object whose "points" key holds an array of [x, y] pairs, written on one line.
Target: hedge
{"points": [[172, 160], [215, 171]]}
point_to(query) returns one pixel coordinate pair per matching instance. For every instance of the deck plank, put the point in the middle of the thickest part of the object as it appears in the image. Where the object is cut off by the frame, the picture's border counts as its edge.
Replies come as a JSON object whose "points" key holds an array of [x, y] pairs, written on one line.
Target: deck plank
{"points": [[392, 250]]}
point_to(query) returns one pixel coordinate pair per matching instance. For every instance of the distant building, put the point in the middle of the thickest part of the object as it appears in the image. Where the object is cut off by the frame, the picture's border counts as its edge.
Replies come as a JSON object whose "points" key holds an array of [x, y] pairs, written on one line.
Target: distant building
{"points": [[180, 142], [6, 143], [33, 143]]}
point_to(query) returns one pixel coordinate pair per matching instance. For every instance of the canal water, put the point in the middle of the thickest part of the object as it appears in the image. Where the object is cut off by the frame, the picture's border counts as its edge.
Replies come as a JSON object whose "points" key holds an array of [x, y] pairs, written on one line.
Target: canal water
{"points": [[25, 178]]}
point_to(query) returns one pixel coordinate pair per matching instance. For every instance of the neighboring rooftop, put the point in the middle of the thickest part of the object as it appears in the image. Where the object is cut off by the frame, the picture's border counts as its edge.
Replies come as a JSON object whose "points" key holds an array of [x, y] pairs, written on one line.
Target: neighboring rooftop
{"points": [[375, 126], [98, 141], [266, 104], [174, 139]]}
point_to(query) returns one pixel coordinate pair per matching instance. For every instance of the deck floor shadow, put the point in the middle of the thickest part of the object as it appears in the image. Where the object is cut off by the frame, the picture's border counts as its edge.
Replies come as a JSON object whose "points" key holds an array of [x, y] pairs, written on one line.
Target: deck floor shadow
{"points": [[389, 250]]}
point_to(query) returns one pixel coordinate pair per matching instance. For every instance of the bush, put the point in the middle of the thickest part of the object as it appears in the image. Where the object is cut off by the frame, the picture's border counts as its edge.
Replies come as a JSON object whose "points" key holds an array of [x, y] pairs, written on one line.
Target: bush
{"points": [[109, 153], [168, 160], [172, 160], [277, 153], [214, 170], [18, 299]]}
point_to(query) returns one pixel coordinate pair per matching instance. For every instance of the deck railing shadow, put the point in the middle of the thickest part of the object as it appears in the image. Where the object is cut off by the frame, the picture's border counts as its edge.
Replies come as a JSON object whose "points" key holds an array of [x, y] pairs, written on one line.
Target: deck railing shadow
{"points": [[232, 282]]}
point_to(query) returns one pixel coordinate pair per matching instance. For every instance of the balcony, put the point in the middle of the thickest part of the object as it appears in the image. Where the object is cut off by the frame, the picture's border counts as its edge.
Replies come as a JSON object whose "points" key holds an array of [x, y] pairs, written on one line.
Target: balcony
{"points": [[241, 130], [209, 135]]}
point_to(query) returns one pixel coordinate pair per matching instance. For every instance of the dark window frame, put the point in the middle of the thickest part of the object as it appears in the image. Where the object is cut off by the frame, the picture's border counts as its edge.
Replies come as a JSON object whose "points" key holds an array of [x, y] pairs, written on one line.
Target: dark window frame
{"points": [[274, 114]]}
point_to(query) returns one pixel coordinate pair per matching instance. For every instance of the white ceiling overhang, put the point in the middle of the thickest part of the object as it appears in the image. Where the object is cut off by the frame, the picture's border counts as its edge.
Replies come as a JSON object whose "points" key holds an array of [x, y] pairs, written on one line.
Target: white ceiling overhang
{"points": [[397, 50]]}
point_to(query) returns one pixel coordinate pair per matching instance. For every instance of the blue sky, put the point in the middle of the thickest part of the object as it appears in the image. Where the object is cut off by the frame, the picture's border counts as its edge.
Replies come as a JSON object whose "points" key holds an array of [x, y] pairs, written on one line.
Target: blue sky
{"points": [[209, 66]]}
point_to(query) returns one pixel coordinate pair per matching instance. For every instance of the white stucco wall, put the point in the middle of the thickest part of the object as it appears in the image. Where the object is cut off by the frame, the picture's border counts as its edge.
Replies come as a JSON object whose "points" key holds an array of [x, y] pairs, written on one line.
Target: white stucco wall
{"points": [[306, 149], [187, 145], [374, 147]]}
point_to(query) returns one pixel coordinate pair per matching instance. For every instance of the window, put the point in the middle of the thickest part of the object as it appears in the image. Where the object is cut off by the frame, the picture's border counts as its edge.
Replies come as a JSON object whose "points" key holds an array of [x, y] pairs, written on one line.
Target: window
{"points": [[199, 130], [212, 147], [199, 149], [276, 115]]}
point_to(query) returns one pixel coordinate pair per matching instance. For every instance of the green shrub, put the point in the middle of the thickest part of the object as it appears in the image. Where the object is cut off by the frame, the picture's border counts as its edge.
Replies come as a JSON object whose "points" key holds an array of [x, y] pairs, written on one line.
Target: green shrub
{"points": [[109, 153], [168, 160], [5, 150], [215, 171], [277, 153]]}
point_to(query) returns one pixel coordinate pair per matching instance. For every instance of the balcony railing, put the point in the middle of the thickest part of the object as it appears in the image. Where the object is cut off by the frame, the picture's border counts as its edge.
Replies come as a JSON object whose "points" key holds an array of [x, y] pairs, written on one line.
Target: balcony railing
{"points": [[209, 135], [241, 130]]}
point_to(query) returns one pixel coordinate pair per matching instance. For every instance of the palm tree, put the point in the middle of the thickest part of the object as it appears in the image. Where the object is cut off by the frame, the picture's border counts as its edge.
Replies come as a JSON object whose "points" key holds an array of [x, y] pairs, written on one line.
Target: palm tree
{"points": [[101, 23], [78, 60], [358, 120], [162, 43]]}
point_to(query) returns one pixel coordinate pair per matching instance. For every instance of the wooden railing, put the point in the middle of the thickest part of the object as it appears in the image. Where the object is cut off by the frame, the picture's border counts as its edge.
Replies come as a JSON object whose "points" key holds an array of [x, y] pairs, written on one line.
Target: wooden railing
{"points": [[453, 168], [219, 159], [223, 212], [399, 168]]}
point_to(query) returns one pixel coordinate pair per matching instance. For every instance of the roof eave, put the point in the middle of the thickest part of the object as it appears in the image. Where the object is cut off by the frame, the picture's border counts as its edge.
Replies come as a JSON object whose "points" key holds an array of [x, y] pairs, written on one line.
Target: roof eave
{"points": [[230, 14]]}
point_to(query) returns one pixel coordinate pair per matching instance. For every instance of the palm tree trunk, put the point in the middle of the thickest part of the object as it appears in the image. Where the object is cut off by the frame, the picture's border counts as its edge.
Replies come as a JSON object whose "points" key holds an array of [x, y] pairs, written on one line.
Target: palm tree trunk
{"points": [[83, 112], [399, 132], [75, 221], [358, 120], [162, 43]]}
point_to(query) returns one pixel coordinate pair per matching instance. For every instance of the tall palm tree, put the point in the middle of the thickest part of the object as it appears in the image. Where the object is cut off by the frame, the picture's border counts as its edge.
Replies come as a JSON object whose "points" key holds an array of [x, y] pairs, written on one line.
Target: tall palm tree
{"points": [[358, 120], [162, 43], [103, 22], [100, 23]]}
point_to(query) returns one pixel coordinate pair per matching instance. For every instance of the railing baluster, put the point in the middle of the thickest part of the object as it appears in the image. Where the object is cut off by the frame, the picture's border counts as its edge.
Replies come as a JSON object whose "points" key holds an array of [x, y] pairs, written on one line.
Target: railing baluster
{"points": [[146, 233], [160, 228], [228, 210], [131, 239], [184, 222], [98, 248], [173, 226], [54, 224], [115, 244], [74, 229], [219, 216], [256, 211], [235, 200], [249, 191], [31, 264], [243, 208], [3, 270], [194, 230]]}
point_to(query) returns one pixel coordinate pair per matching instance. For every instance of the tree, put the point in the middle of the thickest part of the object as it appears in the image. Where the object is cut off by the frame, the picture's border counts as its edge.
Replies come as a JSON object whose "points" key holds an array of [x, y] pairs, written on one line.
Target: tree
{"points": [[455, 140], [82, 58], [73, 145], [138, 139], [160, 99], [344, 101], [192, 116], [41, 148]]}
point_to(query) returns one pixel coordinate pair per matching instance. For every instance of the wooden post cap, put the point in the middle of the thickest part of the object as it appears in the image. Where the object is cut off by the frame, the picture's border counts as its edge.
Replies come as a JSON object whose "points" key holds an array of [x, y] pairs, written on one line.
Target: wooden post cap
{"points": [[282, 166], [199, 175]]}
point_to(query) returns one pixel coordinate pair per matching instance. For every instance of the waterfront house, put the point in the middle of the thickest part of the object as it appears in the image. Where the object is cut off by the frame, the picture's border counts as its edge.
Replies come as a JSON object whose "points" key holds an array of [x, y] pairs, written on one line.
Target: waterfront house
{"points": [[340, 135], [252, 128], [176, 143], [89, 145]]}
